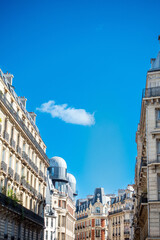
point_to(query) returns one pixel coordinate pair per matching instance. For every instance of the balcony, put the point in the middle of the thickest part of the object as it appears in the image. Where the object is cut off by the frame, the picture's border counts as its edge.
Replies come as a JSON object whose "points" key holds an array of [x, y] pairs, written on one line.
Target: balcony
{"points": [[3, 166], [16, 177], [23, 126], [10, 172], [115, 212], [151, 92], [126, 233], [143, 165], [13, 143], [20, 210], [6, 136]]}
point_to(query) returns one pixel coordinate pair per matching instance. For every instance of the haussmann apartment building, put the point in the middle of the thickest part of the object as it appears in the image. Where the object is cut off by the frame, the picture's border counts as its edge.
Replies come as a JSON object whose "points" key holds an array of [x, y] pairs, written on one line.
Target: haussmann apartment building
{"points": [[23, 167], [92, 216], [147, 170], [121, 215]]}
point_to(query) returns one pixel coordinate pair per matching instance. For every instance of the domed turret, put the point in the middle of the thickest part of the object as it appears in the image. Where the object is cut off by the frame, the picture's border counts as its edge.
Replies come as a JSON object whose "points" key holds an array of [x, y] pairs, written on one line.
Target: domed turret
{"points": [[58, 169], [72, 182]]}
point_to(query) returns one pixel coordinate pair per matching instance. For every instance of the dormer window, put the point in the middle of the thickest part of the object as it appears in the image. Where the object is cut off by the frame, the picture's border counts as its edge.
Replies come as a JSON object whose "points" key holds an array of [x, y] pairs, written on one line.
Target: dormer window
{"points": [[97, 209]]}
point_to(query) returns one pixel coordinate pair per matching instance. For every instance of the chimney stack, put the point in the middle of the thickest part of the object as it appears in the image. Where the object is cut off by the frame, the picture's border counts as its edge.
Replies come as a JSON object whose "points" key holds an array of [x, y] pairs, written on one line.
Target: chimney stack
{"points": [[23, 101], [9, 77], [33, 116]]}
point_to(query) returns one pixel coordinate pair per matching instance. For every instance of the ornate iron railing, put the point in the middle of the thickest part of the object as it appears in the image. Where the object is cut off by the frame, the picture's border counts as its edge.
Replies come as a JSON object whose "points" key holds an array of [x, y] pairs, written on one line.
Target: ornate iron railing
{"points": [[25, 213], [151, 92]]}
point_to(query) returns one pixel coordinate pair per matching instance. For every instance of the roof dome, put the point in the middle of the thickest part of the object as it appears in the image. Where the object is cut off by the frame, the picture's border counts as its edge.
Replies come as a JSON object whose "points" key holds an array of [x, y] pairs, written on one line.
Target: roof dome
{"points": [[71, 178], [58, 162]]}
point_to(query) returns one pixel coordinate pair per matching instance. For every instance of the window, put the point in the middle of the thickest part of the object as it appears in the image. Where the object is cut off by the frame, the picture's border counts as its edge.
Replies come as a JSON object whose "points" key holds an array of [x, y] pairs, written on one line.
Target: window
{"points": [[22, 172], [51, 222], [10, 161], [24, 146], [40, 166], [51, 235], [39, 187], [46, 235], [63, 221], [157, 116], [98, 233], [97, 209], [16, 166], [98, 222], [63, 236], [158, 183], [63, 204], [47, 222], [3, 154], [158, 150]]}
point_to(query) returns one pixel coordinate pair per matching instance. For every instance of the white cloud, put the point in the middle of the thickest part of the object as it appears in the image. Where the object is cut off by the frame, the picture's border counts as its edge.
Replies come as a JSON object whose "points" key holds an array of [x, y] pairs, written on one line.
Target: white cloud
{"points": [[68, 114]]}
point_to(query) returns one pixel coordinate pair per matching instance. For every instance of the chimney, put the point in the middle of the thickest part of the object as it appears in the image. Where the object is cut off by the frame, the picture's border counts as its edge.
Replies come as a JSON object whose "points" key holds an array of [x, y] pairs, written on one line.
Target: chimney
{"points": [[9, 77], [23, 101], [33, 116], [152, 62]]}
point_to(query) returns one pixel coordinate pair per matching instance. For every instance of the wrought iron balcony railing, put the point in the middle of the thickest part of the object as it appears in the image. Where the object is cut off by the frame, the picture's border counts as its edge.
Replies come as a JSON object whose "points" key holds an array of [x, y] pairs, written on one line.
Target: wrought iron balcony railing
{"points": [[25, 213], [151, 92], [116, 211], [23, 126]]}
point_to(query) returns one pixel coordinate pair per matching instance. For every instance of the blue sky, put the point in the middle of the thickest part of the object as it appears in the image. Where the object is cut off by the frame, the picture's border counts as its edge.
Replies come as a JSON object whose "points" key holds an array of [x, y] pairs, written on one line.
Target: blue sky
{"points": [[91, 55]]}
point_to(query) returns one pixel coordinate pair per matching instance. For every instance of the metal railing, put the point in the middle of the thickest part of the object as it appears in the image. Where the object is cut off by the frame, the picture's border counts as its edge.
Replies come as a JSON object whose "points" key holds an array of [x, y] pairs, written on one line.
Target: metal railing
{"points": [[116, 211], [23, 126], [151, 92], [20, 210]]}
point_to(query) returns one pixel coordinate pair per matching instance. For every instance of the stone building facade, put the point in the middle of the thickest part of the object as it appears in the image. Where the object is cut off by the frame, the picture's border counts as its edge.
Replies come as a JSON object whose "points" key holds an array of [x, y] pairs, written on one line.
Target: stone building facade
{"points": [[23, 167], [121, 215], [61, 192], [147, 170], [92, 216]]}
